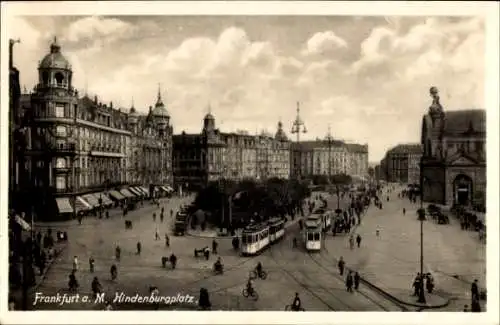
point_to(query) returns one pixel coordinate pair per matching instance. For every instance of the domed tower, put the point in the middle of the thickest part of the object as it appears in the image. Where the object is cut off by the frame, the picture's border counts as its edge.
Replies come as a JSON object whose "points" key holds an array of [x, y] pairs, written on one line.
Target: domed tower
{"points": [[132, 119], [280, 134], [160, 115], [55, 134], [209, 122]]}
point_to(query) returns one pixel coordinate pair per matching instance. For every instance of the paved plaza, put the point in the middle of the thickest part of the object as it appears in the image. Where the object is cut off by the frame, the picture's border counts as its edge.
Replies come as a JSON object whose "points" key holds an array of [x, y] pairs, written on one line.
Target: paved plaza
{"points": [[392, 260]]}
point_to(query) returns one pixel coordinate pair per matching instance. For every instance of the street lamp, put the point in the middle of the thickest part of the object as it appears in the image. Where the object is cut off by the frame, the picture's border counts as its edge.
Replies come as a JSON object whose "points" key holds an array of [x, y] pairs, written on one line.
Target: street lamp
{"points": [[297, 127], [421, 218]]}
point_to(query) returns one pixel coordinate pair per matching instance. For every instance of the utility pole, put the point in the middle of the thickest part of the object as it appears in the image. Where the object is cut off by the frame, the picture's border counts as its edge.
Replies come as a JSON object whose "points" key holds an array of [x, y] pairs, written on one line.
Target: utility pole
{"points": [[297, 127]]}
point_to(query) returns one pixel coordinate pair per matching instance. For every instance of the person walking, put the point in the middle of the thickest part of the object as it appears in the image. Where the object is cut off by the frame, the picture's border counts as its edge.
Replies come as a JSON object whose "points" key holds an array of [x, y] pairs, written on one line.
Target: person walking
{"points": [[351, 242], [358, 240], [139, 248], [75, 263], [167, 240], [214, 246], [157, 234], [349, 282], [91, 264], [341, 265], [404, 211], [357, 278], [474, 290], [154, 217]]}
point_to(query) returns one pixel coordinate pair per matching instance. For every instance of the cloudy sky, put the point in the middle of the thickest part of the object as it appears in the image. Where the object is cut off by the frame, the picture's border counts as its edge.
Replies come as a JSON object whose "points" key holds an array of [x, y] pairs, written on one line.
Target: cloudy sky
{"points": [[366, 77]]}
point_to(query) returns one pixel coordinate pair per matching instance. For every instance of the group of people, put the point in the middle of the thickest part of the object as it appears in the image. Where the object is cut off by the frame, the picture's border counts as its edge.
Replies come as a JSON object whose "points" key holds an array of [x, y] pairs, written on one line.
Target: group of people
{"points": [[422, 281], [352, 279]]}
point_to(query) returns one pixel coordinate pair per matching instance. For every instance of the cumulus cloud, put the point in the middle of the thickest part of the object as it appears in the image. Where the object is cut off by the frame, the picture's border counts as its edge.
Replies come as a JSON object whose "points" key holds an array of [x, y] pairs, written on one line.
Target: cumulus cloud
{"points": [[325, 43], [252, 81]]}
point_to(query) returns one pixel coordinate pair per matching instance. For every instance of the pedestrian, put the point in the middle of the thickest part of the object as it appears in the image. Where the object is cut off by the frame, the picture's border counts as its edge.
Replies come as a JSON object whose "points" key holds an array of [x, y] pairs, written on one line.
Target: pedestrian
{"points": [[171, 213], [358, 240], [75, 263], [139, 247], [214, 247], [357, 278], [377, 232], [416, 285], [167, 240], [404, 211], [349, 282], [475, 306], [429, 283], [157, 234], [206, 252], [351, 242], [466, 308], [161, 216], [118, 252], [91, 264], [341, 265], [474, 290], [154, 217]]}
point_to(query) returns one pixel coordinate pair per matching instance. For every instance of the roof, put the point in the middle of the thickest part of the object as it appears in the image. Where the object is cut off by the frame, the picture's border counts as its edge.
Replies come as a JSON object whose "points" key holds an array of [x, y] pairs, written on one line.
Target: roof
{"points": [[315, 144], [465, 120], [415, 148], [55, 59], [359, 148]]}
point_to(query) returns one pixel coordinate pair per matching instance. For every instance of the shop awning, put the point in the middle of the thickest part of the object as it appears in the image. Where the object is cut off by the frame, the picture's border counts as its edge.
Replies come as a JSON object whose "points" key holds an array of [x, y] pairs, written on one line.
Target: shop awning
{"points": [[64, 205], [126, 193], [145, 190], [164, 189], [26, 226], [81, 204], [135, 191], [105, 200], [91, 200], [116, 195]]}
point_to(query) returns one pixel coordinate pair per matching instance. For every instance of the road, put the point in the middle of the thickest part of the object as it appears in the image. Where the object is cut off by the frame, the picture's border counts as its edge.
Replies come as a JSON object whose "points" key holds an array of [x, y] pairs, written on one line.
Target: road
{"points": [[290, 270]]}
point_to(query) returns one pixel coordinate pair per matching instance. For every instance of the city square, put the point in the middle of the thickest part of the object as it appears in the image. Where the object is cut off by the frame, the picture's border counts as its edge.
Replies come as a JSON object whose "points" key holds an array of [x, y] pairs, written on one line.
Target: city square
{"points": [[110, 200]]}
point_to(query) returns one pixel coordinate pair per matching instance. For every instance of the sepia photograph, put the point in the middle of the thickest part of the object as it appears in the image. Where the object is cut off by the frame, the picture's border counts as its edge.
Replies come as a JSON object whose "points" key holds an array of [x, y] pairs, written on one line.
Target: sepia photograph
{"points": [[246, 162]]}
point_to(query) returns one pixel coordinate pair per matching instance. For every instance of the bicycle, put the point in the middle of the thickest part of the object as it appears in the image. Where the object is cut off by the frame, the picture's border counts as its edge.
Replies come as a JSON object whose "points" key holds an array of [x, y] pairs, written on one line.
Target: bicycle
{"points": [[254, 275], [252, 293], [289, 308]]}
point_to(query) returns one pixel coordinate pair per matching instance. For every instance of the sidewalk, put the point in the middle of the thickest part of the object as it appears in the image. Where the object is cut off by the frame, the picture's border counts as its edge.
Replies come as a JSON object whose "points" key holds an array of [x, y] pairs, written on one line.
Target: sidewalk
{"points": [[392, 260]]}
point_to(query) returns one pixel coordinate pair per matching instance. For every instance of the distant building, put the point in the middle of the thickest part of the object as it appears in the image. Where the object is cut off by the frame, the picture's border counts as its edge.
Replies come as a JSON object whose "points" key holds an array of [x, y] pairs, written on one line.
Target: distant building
{"points": [[403, 163], [323, 157], [454, 155], [212, 155]]}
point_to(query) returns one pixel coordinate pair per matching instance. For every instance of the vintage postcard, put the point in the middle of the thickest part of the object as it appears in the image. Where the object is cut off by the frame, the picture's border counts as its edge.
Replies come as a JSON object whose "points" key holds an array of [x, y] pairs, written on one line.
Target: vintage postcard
{"points": [[183, 160]]}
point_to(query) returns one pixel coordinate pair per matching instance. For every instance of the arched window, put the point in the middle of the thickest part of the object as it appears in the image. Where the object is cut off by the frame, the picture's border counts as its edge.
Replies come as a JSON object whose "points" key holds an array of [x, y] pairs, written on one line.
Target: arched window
{"points": [[45, 77], [59, 78], [61, 163]]}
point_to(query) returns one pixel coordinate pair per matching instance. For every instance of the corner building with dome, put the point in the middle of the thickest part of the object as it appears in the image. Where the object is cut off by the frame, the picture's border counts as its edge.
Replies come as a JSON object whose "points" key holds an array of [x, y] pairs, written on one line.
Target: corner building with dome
{"points": [[83, 154]]}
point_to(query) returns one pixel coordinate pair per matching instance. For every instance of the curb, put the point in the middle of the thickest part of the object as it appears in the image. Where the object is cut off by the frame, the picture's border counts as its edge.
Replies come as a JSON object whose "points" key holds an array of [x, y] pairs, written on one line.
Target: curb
{"points": [[391, 296]]}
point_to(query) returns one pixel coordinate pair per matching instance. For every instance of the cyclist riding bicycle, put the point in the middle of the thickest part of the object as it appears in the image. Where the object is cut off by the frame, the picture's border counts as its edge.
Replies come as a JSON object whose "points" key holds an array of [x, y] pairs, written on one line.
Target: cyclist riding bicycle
{"points": [[259, 269], [296, 302]]}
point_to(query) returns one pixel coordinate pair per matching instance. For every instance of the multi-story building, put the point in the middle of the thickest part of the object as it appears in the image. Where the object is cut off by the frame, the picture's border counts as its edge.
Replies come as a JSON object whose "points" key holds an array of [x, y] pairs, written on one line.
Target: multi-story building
{"points": [[357, 160], [79, 145], [328, 157], [403, 163], [213, 155], [454, 155]]}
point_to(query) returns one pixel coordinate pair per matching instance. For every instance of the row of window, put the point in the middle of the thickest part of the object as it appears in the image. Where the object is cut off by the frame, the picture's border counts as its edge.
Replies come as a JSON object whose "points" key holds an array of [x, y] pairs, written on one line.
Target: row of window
{"points": [[254, 238], [313, 236]]}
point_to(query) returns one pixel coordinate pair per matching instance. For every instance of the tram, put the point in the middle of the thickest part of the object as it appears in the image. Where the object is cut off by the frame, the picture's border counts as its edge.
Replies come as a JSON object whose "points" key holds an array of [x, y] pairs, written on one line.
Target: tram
{"points": [[326, 218], [257, 237], [312, 233]]}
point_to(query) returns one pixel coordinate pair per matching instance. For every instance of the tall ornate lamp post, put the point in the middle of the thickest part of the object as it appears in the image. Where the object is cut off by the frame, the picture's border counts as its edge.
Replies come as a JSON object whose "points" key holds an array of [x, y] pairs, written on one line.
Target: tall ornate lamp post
{"points": [[421, 218], [297, 127]]}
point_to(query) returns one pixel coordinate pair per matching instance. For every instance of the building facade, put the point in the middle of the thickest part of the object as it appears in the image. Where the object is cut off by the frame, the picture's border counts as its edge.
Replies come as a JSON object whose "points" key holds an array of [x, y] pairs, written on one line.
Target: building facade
{"points": [[403, 163], [454, 155], [212, 155], [328, 157], [78, 145]]}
